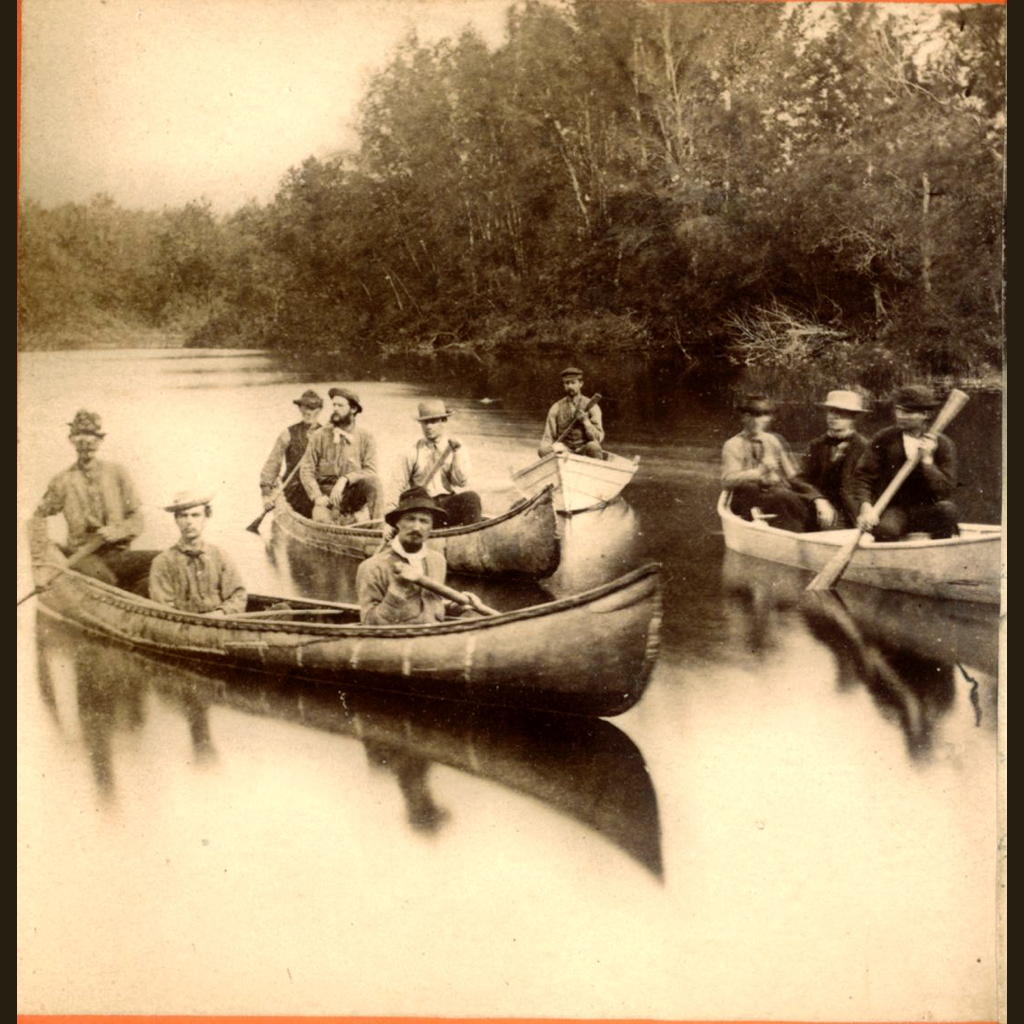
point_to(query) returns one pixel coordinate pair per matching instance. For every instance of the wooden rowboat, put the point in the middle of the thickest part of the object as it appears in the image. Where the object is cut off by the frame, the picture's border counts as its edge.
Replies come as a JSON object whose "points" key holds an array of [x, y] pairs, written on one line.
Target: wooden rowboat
{"points": [[579, 483], [516, 659], [964, 568], [521, 542]]}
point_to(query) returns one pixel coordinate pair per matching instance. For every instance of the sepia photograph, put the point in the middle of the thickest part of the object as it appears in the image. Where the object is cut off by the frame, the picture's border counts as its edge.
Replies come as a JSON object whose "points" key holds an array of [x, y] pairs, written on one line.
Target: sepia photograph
{"points": [[511, 510]]}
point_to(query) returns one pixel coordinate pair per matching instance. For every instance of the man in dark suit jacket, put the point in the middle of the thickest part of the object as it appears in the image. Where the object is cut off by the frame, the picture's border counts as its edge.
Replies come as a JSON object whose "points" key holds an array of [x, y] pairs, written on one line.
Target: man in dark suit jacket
{"points": [[827, 470], [922, 504]]}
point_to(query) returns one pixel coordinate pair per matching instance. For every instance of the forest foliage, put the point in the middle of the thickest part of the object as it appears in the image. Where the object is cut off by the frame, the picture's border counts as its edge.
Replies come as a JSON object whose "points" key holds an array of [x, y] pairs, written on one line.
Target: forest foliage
{"points": [[772, 185]]}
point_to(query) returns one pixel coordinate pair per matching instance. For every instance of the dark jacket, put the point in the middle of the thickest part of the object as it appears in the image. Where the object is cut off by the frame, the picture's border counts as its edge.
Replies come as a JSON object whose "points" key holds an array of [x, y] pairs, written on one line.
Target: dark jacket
{"points": [[833, 479], [880, 462]]}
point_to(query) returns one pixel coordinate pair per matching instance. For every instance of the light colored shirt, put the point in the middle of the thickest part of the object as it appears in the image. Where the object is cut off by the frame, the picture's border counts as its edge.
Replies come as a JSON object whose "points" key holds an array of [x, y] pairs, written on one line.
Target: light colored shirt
{"points": [[382, 604], [742, 457], [333, 453], [414, 468], [200, 579], [561, 414], [103, 495]]}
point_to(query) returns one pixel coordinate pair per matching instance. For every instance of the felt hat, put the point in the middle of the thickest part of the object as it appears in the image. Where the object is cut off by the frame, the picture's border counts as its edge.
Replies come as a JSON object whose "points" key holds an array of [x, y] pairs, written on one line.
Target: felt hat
{"points": [[433, 409], [309, 399], [571, 371], [757, 405], [845, 401], [353, 398], [416, 499], [86, 422], [915, 397], [188, 499]]}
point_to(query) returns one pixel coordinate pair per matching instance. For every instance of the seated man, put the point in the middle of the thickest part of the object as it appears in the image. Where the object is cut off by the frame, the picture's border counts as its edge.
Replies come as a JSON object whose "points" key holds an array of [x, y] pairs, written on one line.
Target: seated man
{"points": [[759, 470], [386, 582], [101, 509], [830, 461], [585, 434], [438, 463], [922, 504], [289, 448], [193, 575], [339, 468]]}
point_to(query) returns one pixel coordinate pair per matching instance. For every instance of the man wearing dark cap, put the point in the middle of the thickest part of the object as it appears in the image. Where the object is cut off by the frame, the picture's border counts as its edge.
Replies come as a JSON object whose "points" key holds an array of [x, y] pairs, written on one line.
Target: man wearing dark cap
{"points": [[100, 505], [439, 464], [586, 432], [289, 447], [386, 582], [759, 470], [194, 575], [922, 504], [339, 467]]}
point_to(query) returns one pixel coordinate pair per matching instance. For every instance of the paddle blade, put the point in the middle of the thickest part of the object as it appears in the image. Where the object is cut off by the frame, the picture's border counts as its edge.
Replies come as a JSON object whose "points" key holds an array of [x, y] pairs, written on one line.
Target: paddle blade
{"points": [[254, 526]]}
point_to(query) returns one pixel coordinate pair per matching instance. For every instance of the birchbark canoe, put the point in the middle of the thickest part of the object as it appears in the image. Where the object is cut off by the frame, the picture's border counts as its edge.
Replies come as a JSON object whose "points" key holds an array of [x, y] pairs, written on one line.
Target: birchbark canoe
{"points": [[590, 654], [579, 483], [522, 542], [584, 768], [964, 568]]}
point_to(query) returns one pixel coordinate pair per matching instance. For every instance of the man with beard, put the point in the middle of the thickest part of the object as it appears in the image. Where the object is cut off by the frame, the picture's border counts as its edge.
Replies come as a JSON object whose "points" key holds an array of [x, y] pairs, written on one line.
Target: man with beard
{"points": [[194, 575], [339, 468], [100, 507], [585, 434], [289, 449], [386, 582]]}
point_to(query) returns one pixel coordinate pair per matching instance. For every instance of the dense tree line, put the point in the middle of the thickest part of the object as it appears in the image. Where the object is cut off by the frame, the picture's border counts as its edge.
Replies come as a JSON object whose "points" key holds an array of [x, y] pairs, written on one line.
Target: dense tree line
{"points": [[779, 185]]}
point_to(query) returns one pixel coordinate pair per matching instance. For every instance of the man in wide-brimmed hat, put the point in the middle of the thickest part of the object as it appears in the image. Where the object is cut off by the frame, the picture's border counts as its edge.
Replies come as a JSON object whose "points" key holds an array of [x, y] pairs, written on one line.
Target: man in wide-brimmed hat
{"points": [[585, 429], [386, 582], [760, 471], [100, 506], [830, 461], [288, 449], [923, 503], [339, 467], [438, 463], [194, 575]]}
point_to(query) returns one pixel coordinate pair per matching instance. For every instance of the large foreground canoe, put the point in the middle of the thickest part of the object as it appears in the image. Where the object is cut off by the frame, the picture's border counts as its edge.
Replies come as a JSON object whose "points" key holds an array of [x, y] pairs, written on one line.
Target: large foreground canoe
{"points": [[590, 654], [521, 542], [579, 483], [964, 568]]}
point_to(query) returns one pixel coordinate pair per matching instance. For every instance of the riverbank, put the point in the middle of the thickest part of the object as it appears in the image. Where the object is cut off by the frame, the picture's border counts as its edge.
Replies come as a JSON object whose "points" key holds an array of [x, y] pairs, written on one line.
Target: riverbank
{"points": [[102, 338]]}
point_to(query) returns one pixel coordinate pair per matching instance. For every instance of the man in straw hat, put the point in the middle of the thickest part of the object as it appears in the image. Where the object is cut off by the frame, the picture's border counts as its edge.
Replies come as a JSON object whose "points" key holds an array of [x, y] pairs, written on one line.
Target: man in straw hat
{"points": [[438, 463], [829, 464], [922, 504], [585, 434], [386, 582], [339, 468], [100, 504], [759, 469], [194, 575], [289, 448]]}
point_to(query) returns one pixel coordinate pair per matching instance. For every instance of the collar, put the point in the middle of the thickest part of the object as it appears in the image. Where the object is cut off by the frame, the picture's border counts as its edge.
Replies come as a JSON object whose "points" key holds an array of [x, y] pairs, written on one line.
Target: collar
{"points": [[198, 549], [438, 445], [337, 433], [408, 556]]}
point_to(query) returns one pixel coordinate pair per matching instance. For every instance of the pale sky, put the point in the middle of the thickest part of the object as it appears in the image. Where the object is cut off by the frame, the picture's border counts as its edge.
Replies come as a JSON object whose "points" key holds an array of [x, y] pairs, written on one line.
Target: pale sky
{"points": [[157, 102]]}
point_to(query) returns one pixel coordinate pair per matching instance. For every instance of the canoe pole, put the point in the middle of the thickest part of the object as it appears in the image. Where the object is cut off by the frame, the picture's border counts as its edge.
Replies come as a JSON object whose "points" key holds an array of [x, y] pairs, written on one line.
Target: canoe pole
{"points": [[579, 415], [836, 565], [254, 526], [80, 555]]}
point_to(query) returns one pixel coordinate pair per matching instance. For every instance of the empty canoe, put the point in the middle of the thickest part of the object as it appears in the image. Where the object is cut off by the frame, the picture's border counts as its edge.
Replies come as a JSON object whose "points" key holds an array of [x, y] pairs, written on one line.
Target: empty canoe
{"points": [[964, 568], [579, 482]]}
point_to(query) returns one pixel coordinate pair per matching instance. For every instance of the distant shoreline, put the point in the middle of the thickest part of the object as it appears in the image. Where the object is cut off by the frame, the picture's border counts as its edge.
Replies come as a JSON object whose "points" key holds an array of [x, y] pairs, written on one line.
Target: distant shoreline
{"points": [[76, 340]]}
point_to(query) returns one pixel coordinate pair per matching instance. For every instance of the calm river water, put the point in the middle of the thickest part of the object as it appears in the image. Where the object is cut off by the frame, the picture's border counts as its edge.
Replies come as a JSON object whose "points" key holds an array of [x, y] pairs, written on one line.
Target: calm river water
{"points": [[791, 823]]}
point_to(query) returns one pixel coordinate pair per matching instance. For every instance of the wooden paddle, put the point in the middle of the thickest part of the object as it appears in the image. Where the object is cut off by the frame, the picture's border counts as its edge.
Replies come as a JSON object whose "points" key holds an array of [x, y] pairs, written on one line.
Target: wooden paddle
{"points": [[583, 412], [83, 552], [836, 566], [254, 526], [456, 595]]}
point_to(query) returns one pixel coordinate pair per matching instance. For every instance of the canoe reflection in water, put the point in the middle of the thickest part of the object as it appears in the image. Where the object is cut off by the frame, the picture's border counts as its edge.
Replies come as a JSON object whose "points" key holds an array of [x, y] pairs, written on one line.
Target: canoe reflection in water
{"points": [[586, 769], [910, 652]]}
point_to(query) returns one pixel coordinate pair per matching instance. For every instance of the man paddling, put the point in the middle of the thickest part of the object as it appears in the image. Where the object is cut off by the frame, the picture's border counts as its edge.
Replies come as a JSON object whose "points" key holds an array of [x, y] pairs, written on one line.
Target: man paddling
{"points": [[289, 448], [386, 582], [339, 469], [439, 464], [101, 508], [922, 504], [585, 429], [194, 575]]}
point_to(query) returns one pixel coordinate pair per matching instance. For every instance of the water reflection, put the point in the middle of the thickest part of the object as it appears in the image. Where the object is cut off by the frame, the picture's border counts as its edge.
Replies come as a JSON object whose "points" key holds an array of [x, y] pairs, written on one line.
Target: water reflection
{"points": [[586, 769], [910, 652]]}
